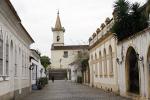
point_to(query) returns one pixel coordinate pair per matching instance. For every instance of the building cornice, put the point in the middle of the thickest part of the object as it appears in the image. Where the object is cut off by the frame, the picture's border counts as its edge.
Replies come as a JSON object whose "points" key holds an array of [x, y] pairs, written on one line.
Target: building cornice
{"points": [[104, 37], [134, 35]]}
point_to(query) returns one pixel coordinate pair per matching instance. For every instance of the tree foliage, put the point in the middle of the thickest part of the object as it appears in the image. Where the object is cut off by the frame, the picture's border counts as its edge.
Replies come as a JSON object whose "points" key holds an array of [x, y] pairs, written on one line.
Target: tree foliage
{"points": [[84, 64], [45, 61], [128, 19], [82, 58]]}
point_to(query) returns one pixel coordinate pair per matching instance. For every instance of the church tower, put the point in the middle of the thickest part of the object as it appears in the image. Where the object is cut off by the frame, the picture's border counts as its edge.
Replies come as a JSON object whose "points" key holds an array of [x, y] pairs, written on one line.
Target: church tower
{"points": [[58, 33]]}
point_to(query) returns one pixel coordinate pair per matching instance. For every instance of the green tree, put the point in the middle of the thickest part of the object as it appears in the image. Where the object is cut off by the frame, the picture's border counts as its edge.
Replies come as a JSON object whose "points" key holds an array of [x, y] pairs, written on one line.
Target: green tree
{"points": [[122, 23], [129, 19], [139, 21], [45, 61]]}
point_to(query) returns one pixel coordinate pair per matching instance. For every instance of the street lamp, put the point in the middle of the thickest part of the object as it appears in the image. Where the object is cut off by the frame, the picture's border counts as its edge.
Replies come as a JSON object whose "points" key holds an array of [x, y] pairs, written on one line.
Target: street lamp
{"points": [[122, 57], [41, 71]]}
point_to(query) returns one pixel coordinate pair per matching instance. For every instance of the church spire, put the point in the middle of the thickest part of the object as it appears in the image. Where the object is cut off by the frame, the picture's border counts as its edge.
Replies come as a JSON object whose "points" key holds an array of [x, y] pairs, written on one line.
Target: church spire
{"points": [[58, 26], [58, 23]]}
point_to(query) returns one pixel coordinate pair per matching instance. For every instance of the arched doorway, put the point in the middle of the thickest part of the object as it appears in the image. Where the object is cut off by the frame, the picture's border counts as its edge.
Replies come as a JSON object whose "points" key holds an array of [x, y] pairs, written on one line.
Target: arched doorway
{"points": [[148, 65], [132, 71]]}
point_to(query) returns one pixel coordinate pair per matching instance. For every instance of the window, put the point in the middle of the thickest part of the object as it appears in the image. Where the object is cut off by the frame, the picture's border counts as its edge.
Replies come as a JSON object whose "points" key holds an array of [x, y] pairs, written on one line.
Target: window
{"points": [[100, 64], [58, 38], [110, 61], [1, 54], [22, 63], [15, 61], [91, 57], [65, 54], [26, 65], [79, 52], [96, 70], [7, 57], [95, 56], [105, 63], [34, 72]]}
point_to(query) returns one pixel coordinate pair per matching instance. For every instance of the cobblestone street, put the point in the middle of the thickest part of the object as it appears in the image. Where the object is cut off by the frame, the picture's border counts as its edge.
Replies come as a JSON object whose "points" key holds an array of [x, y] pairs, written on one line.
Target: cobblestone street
{"points": [[61, 90]]}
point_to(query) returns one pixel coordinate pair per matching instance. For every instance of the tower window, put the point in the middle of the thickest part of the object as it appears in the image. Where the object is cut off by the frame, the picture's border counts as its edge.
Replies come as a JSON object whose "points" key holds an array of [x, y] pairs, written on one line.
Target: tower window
{"points": [[58, 38], [65, 54]]}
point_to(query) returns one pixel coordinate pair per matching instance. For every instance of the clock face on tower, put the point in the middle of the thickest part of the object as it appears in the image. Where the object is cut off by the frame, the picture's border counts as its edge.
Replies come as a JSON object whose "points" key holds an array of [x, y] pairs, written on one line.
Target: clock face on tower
{"points": [[58, 38]]}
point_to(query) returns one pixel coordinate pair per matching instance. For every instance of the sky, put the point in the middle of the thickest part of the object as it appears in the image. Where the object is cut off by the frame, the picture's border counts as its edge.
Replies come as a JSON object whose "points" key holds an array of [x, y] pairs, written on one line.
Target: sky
{"points": [[80, 18]]}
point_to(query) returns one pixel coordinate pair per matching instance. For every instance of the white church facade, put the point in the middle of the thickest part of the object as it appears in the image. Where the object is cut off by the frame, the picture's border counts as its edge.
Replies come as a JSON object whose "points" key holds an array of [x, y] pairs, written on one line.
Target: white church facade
{"points": [[62, 55]]}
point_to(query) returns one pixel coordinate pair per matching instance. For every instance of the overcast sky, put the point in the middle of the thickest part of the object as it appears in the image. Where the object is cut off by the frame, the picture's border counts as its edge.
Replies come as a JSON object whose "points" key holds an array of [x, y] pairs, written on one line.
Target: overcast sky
{"points": [[79, 17]]}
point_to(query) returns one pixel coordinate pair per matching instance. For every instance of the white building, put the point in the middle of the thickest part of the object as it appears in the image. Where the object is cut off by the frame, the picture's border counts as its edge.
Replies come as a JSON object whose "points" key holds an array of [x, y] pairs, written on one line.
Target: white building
{"points": [[38, 71], [75, 69], [102, 62], [15, 41], [133, 59], [62, 55]]}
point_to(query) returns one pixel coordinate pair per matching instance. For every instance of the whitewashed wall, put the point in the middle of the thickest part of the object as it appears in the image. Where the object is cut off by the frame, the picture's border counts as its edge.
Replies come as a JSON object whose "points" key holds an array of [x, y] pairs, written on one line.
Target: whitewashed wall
{"points": [[18, 42], [141, 44], [56, 55], [98, 79]]}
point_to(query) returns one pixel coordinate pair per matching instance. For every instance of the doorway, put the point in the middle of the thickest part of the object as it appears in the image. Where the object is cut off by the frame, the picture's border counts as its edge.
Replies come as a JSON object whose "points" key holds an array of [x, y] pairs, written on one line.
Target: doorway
{"points": [[132, 71]]}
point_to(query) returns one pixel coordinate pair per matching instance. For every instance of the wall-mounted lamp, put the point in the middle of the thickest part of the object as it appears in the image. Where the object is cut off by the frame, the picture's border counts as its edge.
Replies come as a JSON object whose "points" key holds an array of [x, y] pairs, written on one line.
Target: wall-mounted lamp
{"points": [[120, 61], [41, 70], [122, 57], [31, 67], [140, 58]]}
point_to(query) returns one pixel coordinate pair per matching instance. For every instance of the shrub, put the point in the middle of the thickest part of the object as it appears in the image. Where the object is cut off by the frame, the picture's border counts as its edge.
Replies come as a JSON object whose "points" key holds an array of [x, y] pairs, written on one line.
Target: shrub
{"points": [[42, 82]]}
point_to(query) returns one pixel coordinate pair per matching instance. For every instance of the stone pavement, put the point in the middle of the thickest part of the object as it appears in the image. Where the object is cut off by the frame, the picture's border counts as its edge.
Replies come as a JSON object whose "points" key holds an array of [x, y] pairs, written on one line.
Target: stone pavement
{"points": [[61, 90]]}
